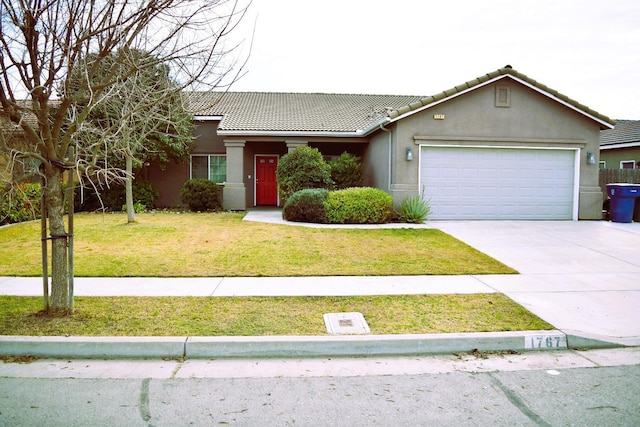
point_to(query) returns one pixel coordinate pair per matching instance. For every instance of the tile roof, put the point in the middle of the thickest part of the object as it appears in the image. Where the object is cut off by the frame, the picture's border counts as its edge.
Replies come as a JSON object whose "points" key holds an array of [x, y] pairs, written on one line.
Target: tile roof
{"points": [[343, 113], [309, 112], [625, 132]]}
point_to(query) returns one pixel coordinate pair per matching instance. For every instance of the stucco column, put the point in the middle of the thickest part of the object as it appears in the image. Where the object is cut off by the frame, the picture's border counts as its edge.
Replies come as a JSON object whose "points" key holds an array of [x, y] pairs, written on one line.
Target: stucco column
{"points": [[404, 173], [234, 193], [292, 145], [591, 195]]}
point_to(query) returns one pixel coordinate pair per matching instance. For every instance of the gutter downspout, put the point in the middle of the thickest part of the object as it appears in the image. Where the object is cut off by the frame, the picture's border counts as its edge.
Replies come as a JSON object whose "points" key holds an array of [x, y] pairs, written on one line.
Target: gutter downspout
{"points": [[390, 152]]}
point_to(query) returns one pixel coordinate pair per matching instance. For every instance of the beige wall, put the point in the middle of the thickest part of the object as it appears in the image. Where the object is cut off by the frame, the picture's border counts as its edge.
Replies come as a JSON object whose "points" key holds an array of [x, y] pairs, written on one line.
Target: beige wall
{"points": [[531, 120], [376, 160]]}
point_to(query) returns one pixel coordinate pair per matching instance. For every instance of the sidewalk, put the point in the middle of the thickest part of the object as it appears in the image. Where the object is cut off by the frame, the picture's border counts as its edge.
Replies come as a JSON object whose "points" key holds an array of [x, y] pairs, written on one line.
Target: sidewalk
{"points": [[583, 277]]}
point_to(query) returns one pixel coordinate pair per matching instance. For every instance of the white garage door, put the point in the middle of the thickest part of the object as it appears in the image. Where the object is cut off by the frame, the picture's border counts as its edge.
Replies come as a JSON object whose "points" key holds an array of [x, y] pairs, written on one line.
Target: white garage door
{"points": [[498, 183]]}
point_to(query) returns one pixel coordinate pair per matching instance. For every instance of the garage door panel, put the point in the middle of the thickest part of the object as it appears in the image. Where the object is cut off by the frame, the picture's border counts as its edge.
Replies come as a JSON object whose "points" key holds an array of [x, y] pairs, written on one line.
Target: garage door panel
{"points": [[498, 183]]}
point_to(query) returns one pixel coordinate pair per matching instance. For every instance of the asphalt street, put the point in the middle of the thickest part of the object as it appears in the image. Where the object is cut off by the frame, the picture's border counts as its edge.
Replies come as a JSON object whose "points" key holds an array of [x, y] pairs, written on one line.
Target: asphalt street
{"points": [[555, 388]]}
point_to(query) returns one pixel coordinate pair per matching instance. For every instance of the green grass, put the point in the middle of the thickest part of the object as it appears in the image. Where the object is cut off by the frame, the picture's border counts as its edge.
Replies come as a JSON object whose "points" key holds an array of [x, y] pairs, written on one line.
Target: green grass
{"points": [[222, 245], [218, 316]]}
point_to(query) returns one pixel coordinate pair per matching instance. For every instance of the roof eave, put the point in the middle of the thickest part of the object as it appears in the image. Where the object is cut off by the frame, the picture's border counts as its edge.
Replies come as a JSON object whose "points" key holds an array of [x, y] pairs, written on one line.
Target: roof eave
{"points": [[201, 118], [375, 126], [620, 145], [278, 133]]}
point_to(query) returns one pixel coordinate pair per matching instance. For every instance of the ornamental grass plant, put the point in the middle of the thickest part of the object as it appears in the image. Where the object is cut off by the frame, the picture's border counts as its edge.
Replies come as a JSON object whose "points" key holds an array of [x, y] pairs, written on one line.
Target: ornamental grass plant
{"points": [[414, 209]]}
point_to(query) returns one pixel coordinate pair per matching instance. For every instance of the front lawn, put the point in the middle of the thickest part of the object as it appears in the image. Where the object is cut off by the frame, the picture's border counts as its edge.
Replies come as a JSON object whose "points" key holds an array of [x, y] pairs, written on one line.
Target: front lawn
{"points": [[222, 245], [226, 316]]}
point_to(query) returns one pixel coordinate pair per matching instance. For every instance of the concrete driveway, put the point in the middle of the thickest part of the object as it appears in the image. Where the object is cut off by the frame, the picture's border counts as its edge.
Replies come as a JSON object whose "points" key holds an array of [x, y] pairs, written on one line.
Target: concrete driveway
{"points": [[583, 277]]}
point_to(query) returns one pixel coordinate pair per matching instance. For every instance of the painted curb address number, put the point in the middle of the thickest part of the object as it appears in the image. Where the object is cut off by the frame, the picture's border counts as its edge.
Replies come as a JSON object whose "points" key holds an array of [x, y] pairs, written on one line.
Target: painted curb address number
{"points": [[535, 342]]}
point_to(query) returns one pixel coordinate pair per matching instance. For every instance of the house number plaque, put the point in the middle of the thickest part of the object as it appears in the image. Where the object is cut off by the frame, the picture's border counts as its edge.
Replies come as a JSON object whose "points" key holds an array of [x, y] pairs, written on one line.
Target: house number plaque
{"points": [[535, 342]]}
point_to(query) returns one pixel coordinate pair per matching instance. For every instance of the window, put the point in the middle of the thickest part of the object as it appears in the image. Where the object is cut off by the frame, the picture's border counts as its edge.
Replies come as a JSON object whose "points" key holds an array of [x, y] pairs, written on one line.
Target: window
{"points": [[603, 164], [212, 167], [628, 164]]}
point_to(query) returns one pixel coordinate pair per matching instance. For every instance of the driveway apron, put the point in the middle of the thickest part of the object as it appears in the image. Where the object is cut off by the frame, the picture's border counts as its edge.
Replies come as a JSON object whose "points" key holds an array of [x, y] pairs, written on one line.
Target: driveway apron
{"points": [[583, 277]]}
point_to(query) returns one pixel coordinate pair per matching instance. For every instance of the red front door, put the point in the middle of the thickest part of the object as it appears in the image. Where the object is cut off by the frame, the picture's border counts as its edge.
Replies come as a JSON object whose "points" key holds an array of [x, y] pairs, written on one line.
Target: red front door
{"points": [[266, 184]]}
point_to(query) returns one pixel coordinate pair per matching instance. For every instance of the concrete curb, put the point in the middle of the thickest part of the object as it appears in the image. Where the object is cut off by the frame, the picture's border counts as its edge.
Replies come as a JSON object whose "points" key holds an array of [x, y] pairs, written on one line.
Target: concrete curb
{"points": [[93, 347], [278, 346], [581, 339], [371, 345]]}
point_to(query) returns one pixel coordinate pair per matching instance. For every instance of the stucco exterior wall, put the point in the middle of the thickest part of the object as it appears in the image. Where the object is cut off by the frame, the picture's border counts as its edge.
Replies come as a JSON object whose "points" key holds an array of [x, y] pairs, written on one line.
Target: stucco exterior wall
{"points": [[530, 120], [614, 157], [169, 182], [207, 139], [376, 160]]}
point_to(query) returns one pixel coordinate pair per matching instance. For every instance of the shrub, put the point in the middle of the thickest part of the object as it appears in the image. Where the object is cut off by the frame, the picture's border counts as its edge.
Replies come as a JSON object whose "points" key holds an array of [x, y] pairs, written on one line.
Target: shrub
{"points": [[201, 195], [19, 202], [137, 207], [300, 169], [346, 171], [306, 206], [414, 209], [359, 205], [99, 198], [145, 193], [113, 196]]}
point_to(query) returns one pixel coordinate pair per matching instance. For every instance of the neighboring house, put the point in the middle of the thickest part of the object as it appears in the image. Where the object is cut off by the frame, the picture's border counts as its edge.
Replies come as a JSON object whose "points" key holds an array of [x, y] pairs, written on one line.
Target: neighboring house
{"points": [[620, 146], [501, 146]]}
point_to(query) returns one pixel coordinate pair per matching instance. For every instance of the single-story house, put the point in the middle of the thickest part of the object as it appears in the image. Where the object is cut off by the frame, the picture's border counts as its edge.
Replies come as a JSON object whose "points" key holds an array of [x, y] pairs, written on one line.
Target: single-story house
{"points": [[501, 146], [620, 146]]}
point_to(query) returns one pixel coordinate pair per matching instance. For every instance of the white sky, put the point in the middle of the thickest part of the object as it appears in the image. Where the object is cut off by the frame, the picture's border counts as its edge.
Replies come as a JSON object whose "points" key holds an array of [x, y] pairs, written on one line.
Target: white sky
{"points": [[588, 50]]}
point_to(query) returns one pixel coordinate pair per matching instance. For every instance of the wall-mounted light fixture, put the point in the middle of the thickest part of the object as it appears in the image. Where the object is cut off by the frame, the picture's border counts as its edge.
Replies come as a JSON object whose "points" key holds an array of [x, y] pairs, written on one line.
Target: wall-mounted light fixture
{"points": [[409, 154], [591, 158]]}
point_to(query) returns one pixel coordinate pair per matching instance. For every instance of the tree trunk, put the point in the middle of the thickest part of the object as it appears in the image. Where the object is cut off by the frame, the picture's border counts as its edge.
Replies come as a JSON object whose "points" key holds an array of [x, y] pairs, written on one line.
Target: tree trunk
{"points": [[128, 185], [54, 200]]}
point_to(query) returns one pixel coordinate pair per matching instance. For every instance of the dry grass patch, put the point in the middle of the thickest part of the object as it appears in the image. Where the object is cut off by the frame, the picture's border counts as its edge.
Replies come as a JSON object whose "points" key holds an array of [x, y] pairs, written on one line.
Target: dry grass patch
{"points": [[221, 316]]}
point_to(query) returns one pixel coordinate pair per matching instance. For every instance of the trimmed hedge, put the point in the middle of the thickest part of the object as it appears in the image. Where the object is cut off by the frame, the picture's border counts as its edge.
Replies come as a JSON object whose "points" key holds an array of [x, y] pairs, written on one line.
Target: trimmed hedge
{"points": [[201, 195], [346, 171], [359, 205], [306, 206], [300, 169]]}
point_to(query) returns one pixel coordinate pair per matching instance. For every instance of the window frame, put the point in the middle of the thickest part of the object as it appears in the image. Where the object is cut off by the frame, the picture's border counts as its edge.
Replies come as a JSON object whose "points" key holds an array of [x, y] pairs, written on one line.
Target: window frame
{"points": [[208, 157], [623, 162]]}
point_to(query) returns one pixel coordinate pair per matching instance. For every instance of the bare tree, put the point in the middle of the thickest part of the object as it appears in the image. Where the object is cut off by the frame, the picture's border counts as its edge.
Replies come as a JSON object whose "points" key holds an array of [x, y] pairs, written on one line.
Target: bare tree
{"points": [[140, 119], [43, 41]]}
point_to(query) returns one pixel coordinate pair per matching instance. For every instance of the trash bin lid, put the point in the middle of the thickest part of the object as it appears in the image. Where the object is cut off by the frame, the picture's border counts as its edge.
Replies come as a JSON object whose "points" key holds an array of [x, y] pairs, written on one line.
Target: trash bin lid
{"points": [[623, 189]]}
